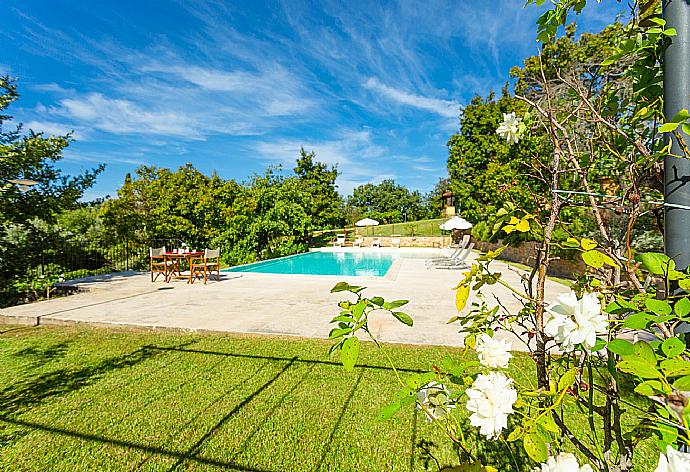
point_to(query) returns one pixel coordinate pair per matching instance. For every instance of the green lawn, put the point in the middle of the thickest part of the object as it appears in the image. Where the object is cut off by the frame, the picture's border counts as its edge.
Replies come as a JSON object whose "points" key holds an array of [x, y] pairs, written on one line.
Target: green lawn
{"points": [[84, 399], [410, 228]]}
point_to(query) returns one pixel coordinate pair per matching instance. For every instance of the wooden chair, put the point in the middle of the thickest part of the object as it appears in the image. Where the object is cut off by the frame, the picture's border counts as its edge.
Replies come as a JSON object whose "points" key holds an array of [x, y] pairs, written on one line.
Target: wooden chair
{"points": [[158, 263], [205, 267]]}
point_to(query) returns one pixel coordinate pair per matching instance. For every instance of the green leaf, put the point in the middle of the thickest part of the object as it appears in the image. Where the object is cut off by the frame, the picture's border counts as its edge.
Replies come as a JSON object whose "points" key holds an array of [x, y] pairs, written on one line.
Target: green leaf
{"points": [[675, 367], [673, 347], [686, 128], [657, 263], [588, 244], [619, 306], [682, 383], [535, 447], [681, 116], [567, 379], [638, 368], [516, 434], [358, 309], [403, 317], [649, 387], [522, 226], [340, 287], [571, 242], [349, 353], [345, 318], [395, 304], [461, 296], [660, 307], [638, 321], [389, 410], [682, 307], [599, 344], [668, 127], [621, 347], [549, 424], [338, 332], [417, 381], [596, 259], [377, 301], [644, 352]]}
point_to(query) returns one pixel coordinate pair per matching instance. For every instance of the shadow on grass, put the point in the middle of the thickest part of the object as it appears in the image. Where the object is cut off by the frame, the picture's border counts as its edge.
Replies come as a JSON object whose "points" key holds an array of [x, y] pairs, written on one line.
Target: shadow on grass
{"points": [[40, 355], [505, 456], [30, 393], [16, 399]]}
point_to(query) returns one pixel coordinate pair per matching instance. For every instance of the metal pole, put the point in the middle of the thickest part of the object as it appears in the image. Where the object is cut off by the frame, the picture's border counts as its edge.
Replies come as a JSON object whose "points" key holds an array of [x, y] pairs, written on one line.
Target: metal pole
{"points": [[677, 97]]}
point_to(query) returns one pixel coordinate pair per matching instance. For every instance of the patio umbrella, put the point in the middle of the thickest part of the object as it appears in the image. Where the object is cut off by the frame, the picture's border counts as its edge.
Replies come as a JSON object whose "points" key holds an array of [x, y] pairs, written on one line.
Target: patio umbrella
{"points": [[367, 222], [454, 223]]}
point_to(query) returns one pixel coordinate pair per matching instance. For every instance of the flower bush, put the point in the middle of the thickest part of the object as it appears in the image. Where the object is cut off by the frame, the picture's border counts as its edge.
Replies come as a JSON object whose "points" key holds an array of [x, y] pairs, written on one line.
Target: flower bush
{"points": [[620, 324]]}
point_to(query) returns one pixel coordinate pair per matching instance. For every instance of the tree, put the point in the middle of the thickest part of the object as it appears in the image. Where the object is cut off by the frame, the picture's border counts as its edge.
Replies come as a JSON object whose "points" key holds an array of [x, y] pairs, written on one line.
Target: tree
{"points": [[317, 180], [486, 172], [159, 203], [386, 202], [32, 156], [26, 217]]}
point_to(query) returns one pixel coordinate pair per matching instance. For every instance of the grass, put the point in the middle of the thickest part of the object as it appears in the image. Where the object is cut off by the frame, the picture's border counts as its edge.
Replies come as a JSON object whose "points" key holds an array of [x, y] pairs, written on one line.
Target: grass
{"points": [[410, 228], [83, 399]]}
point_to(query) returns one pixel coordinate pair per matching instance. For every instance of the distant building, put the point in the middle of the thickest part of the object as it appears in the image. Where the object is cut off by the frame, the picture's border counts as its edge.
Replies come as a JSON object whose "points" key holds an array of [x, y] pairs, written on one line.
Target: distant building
{"points": [[447, 204]]}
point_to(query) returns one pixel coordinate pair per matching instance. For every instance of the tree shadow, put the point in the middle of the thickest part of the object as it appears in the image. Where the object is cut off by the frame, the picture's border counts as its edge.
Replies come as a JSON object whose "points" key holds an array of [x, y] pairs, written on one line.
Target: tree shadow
{"points": [[17, 399], [40, 355], [27, 394], [193, 452]]}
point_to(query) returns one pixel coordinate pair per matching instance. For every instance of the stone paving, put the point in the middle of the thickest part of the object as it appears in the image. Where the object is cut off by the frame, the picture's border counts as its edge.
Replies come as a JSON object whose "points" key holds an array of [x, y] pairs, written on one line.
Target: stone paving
{"points": [[299, 305]]}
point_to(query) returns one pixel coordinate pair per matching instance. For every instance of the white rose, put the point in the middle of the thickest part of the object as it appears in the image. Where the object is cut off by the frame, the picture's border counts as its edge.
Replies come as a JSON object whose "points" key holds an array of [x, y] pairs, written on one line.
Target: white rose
{"points": [[673, 461], [492, 352], [571, 321], [510, 128], [491, 399], [563, 462]]}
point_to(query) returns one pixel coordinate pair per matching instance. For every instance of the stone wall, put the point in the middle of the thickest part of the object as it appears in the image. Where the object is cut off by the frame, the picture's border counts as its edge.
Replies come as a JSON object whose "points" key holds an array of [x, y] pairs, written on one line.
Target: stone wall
{"points": [[410, 241], [526, 253]]}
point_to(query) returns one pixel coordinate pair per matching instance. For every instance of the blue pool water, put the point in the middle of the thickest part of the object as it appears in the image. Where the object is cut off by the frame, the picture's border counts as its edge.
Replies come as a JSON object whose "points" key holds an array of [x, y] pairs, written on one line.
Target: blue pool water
{"points": [[323, 263]]}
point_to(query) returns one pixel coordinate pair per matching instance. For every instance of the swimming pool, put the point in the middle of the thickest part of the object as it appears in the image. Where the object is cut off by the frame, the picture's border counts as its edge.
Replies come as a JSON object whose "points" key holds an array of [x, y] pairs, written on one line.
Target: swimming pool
{"points": [[324, 263]]}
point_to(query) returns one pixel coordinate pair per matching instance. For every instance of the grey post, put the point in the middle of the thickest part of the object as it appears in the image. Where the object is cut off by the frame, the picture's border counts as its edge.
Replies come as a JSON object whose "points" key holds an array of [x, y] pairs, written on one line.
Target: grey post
{"points": [[677, 97]]}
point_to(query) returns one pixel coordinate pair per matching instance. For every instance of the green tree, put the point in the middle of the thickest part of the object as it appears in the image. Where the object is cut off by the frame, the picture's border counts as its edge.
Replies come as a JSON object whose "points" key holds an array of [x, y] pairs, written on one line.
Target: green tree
{"points": [[159, 203], [32, 155], [386, 202], [486, 172], [27, 218], [317, 180]]}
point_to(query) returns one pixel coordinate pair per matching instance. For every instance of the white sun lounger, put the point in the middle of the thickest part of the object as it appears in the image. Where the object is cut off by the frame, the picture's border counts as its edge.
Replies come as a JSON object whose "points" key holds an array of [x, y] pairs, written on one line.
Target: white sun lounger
{"points": [[458, 262]]}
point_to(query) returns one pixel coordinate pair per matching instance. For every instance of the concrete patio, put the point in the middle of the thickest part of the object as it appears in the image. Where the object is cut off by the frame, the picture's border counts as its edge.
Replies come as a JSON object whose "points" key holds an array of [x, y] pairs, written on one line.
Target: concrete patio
{"points": [[299, 305]]}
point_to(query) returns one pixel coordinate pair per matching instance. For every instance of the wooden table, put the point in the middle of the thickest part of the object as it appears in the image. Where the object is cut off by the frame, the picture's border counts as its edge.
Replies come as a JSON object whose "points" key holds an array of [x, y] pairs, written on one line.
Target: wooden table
{"points": [[176, 258]]}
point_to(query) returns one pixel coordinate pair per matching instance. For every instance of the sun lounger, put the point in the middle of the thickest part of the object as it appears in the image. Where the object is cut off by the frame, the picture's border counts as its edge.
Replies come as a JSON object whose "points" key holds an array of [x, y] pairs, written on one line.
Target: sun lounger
{"points": [[395, 242], [457, 262], [376, 242], [340, 241], [358, 242], [450, 252]]}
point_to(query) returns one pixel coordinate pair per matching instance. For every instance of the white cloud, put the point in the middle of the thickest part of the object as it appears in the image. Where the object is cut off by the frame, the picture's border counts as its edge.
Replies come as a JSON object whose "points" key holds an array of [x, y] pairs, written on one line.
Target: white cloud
{"points": [[55, 129], [445, 108], [358, 157], [123, 116]]}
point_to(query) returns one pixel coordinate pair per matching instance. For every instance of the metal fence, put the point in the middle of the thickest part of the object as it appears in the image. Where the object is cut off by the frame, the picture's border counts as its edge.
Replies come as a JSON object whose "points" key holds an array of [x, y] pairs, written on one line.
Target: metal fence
{"points": [[67, 259]]}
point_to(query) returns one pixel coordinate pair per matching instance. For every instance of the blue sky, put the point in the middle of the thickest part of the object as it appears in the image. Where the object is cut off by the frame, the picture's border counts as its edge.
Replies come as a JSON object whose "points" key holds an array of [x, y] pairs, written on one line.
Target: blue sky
{"points": [[232, 87]]}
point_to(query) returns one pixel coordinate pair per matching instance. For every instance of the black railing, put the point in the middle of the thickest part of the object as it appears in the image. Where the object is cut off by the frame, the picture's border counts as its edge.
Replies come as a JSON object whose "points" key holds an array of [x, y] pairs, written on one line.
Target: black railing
{"points": [[69, 259]]}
